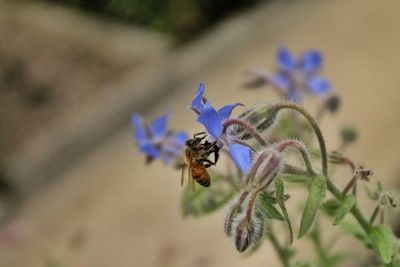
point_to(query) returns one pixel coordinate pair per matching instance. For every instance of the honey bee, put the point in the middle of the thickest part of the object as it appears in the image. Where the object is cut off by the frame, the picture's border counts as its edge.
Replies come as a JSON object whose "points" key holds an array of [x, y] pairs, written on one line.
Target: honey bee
{"points": [[196, 159]]}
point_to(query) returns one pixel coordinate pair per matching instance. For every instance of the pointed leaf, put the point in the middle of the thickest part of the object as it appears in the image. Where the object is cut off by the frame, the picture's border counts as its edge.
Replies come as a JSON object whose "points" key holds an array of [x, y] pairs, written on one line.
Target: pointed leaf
{"points": [[356, 231], [280, 198], [383, 240], [330, 206], [295, 178], [317, 189], [267, 205], [345, 206]]}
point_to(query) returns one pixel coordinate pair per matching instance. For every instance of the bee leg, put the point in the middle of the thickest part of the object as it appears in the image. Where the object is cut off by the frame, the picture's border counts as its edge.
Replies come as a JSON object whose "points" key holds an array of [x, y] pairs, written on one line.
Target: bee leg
{"points": [[208, 164]]}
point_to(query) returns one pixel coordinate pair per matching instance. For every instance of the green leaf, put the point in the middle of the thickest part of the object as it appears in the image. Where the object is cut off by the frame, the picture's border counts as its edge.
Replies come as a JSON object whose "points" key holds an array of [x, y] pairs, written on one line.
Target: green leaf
{"points": [[317, 189], [266, 204], [206, 199], [295, 178], [345, 206], [280, 198], [330, 206], [383, 240], [356, 231]]}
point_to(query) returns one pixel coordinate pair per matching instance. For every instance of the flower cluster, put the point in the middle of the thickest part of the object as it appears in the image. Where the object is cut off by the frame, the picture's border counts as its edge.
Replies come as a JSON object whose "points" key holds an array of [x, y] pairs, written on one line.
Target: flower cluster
{"points": [[295, 76], [155, 141], [256, 192]]}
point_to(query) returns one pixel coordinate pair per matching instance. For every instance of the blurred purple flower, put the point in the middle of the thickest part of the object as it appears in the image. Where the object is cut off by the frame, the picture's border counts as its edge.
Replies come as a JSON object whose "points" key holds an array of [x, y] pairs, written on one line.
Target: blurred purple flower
{"points": [[295, 76], [210, 118], [155, 141]]}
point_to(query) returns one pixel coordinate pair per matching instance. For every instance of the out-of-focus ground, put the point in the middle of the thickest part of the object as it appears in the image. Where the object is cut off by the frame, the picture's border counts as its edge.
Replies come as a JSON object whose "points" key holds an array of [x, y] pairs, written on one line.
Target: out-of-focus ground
{"points": [[106, 208]]}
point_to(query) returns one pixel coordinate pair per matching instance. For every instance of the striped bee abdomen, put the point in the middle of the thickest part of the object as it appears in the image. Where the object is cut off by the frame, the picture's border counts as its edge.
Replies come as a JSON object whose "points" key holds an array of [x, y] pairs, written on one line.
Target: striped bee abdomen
{"points": [[200, 174]]}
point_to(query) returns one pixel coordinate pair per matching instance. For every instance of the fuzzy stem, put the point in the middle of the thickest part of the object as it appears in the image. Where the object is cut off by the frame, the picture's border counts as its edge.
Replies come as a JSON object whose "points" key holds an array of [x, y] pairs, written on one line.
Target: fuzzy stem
{"points": [[280, 251], [259, 160], [317, 130], [301, 149], [350, 185], [246, 126], [374, 214], [324, 156]]}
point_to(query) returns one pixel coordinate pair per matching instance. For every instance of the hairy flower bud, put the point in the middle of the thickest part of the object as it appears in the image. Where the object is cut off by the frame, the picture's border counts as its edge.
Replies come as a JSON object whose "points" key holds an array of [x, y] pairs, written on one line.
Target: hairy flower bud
{"points": [[249, 232], [260, 118], [235, 211], [265, 168]]}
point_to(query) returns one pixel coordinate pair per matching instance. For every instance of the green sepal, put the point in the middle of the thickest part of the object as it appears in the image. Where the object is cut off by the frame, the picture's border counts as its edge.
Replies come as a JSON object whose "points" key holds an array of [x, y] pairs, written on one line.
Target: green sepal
{"points": [[280, 198], [267, 205]]}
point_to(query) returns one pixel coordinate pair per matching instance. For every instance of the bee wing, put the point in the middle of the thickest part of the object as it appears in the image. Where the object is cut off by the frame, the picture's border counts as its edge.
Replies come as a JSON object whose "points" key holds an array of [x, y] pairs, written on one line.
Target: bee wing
{"points": [[191, 180], [183, 174]]}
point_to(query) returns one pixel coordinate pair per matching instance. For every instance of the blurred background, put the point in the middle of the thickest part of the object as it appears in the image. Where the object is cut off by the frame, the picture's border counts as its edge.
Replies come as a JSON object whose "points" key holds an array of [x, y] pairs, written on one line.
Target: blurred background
{"points": [[74, 191]]}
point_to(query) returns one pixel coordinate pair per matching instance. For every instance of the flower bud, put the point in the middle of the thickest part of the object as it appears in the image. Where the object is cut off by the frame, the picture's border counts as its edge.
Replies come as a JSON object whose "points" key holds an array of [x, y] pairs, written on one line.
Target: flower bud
{"points": [[235, 212], [333, 103], [261, 118], [249, 232], [349, 135], [268, 170]]}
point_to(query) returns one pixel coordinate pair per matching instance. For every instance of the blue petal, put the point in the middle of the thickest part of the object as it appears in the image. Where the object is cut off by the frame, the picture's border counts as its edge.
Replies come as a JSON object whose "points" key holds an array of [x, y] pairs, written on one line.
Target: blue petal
{"points": [[282, 81], [319, 86], [312, 60], [180, 137], [241, 155], [225, 111], [150, 150], [285, 59], [140, 133], [211, 121], [158, 127], [197, 102]]}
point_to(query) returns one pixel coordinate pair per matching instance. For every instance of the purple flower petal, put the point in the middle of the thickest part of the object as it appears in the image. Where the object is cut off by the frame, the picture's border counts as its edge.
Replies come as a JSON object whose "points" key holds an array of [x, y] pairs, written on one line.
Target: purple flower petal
{"points": [[150, 150], [241, 155], [225, 111], [197, 102], [158, 127], [211, 121], [282, 81], [140, 133], [319, 86], [285, 59], [311, 61], [180, 137]]}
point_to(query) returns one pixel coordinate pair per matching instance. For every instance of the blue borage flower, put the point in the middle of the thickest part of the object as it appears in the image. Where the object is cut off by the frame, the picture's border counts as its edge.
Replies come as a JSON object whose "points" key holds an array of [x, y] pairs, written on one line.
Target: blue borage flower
{"points": [[155, 141], [208, 116], [213, 120], [296, 76]]}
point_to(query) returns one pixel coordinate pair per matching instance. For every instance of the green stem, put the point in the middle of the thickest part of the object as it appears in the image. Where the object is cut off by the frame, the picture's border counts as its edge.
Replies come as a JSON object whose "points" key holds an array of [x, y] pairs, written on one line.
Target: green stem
{"points": [[282, 255], [317, 130], [324, 157]]}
